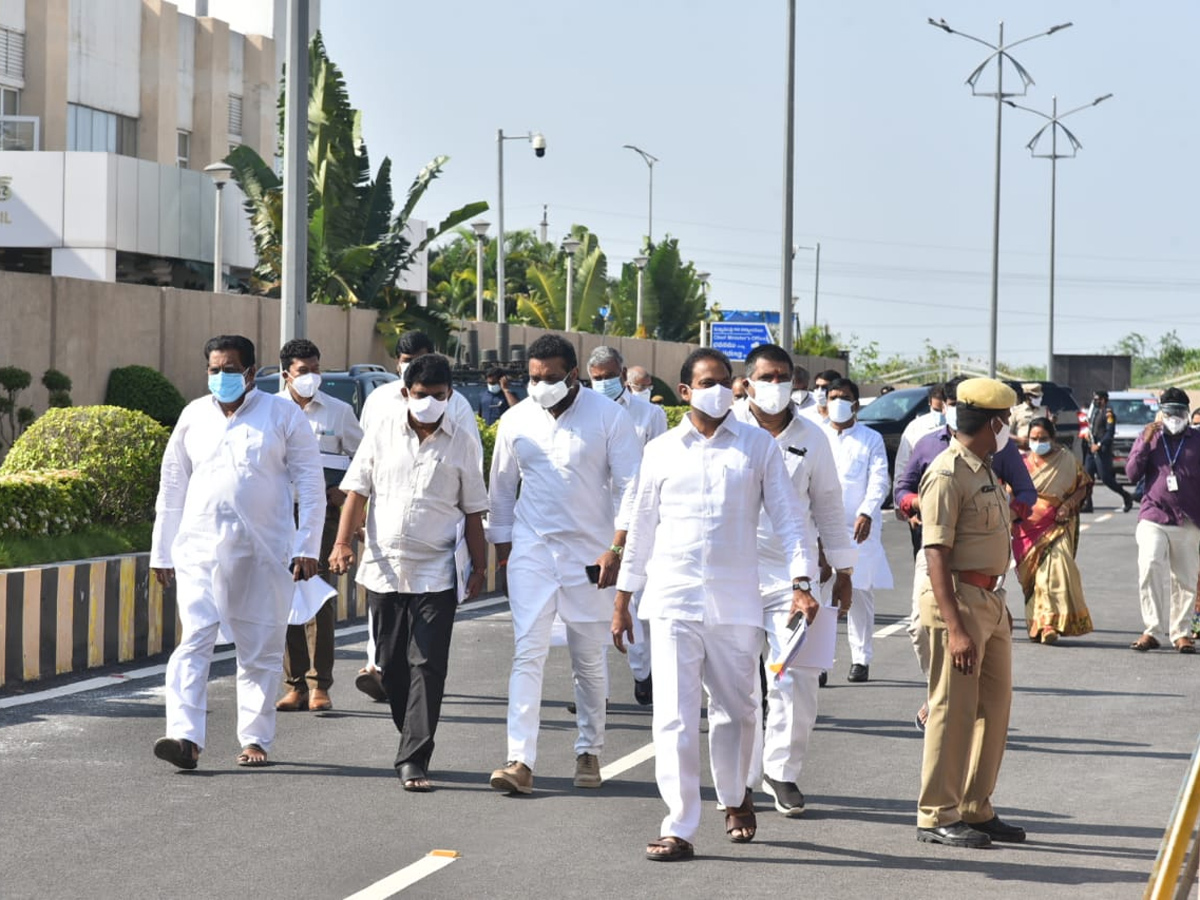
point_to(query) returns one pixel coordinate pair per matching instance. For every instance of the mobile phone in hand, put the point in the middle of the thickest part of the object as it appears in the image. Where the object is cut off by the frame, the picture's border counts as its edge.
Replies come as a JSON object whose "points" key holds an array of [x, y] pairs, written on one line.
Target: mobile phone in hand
{"points": [[593, 573]]}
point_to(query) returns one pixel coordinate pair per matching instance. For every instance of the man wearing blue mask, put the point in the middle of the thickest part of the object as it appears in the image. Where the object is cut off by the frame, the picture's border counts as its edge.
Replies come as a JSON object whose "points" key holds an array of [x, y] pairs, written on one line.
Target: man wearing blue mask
{"points": [[607, 370], [499, 399], [223, 532]]}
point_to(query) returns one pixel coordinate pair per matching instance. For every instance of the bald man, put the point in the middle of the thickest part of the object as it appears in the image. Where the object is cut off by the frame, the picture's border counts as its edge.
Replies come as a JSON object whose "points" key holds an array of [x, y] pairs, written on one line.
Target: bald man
{"points": [[639, 382]]}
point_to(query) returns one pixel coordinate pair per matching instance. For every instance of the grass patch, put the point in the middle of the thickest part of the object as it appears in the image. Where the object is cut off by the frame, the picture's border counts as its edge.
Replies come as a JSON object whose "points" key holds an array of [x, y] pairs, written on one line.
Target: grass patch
{"points": [[96, 540]]}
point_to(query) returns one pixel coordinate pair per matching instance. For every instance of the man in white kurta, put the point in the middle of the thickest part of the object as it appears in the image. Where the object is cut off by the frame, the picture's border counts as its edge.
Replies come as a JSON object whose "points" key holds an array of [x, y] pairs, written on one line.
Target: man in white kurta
{"points": [[609, 377], [693, 533], [224, 531], [792, 699], [563, 458], [863, 470], [921, 425]]}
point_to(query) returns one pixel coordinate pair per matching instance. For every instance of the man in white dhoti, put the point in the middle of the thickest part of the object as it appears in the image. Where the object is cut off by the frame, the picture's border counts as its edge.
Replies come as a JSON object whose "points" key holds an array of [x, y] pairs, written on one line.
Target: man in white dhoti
{"points": [[561, 455], [224, 532], [863, 469], [792, 699], [607, 370], [692, 540]]}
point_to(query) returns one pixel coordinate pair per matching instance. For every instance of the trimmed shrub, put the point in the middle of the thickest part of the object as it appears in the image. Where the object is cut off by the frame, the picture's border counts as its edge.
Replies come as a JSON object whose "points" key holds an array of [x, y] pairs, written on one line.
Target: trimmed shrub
{"points": [[119, 449], [675, 414], [47, 503], [487, 434], [147, 390]]}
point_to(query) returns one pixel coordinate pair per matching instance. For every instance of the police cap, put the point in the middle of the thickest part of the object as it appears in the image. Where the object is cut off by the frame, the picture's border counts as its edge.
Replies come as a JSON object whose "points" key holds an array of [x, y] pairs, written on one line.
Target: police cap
{"points": [[986, 393]]}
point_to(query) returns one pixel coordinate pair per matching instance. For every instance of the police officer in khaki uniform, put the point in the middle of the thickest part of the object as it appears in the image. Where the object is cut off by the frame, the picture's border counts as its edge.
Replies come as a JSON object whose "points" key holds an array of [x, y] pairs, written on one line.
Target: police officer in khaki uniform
{"points": [[966, 517], [1031, 408]]}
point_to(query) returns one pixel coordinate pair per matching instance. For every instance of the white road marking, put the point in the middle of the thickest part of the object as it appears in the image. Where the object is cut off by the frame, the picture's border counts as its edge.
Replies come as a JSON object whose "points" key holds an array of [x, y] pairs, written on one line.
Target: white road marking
{"points": [[891, 629], [1104, 518], [404, 878], [627, 762]]}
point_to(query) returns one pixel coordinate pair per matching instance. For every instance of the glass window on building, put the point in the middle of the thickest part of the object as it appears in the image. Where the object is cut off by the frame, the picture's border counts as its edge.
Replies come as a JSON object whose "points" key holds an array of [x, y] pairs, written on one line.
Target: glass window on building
{"points": [[183, 148], [10, 101], [99, 131]]}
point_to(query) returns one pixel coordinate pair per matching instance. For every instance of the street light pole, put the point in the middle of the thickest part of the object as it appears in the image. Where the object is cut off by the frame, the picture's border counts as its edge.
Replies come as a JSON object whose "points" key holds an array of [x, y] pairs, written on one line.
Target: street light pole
{"points": [[650, 161], [640, 261], [785, 296], [816, 276], [1054, 123], [220, 173], [538, 142], [703, 277], [293, 310], [570, 245], [480, 246], [999, 53]]}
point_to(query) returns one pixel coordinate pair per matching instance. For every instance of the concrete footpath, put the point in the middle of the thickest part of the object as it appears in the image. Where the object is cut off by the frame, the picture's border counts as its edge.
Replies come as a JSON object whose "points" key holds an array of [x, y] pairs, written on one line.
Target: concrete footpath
{"points": [[1100, 741]]}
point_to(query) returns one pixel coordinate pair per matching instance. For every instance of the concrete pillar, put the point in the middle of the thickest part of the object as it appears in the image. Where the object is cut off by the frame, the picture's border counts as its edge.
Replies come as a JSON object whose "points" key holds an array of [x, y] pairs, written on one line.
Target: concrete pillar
{"points": [[210, 106], [157, 125], [46, 50]]}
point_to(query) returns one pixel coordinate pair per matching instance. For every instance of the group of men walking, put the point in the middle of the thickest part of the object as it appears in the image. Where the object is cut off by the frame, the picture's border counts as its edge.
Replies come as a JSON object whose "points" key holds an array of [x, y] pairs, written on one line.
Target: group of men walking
{"points": [[608, 523]]}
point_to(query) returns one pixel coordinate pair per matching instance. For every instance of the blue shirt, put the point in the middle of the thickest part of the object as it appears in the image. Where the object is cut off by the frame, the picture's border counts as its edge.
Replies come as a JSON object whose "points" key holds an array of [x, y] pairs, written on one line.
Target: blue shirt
{"points": [[492, 407], [1007, 464]]}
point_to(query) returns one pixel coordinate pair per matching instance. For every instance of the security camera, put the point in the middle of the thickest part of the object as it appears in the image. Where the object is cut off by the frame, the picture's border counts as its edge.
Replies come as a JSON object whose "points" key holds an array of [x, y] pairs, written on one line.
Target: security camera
{"points": [[539, 144]]}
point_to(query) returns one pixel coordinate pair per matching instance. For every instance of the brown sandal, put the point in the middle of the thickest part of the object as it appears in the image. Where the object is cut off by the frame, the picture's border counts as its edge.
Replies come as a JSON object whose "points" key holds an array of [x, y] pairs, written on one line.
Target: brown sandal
{"points": [[677, 849], [1185, 645], [252, 756], [181, 753], [742, 818], [1144, 643]]}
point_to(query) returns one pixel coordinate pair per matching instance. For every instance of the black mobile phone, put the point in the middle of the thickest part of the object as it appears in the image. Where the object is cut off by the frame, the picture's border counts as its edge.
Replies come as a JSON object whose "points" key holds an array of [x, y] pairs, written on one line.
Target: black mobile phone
{"points": [[593, 573]]}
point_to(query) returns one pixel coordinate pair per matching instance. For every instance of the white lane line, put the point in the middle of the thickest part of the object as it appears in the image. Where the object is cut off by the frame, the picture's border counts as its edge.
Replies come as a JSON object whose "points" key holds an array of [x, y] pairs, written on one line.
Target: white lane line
{"points": [[891, 629], [406, 877], [627, 762], [1103, 518]]}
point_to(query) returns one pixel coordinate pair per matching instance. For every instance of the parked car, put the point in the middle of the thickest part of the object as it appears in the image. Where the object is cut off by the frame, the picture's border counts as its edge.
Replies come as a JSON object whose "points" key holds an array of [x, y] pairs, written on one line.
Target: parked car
{"points": [[351, 385], [1134, 410], [890, 414]]}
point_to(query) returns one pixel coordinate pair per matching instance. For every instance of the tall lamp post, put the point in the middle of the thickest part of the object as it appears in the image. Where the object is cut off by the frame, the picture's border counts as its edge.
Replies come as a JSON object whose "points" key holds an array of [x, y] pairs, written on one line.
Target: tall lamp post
{"points": [[570, 245], [703, 277], [538, 141], [649, 161], [480, 229], [789, 163], [220, 173], [999, 54], [640, 261], [816, 277], [1054, 123]]}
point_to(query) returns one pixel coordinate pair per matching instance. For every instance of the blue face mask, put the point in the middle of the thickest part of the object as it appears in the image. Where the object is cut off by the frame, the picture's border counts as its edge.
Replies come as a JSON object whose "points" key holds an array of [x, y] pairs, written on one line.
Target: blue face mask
{"points": [[609, 387], [227, 387], [1041, 448]]}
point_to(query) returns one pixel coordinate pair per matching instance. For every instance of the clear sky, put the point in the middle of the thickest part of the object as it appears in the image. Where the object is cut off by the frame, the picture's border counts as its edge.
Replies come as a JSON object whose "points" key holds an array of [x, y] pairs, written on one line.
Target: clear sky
{"points": [[894, 158]]}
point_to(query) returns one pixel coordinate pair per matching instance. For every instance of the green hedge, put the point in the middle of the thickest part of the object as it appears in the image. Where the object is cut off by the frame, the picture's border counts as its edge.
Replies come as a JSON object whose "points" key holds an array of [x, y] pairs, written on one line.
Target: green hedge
{"points": [[46, 504], [675, 414], [147, 390], [120, 450]]}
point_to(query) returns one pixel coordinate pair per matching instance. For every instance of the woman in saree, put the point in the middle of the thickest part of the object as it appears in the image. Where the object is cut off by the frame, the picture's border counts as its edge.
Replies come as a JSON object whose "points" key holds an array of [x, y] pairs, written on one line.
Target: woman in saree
{"points": [[1044, 543]]}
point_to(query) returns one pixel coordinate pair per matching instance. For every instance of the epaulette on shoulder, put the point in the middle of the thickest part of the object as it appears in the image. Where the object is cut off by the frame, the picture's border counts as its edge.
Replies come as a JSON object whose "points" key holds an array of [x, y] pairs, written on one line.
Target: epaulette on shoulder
{"points": [[946, 472]]}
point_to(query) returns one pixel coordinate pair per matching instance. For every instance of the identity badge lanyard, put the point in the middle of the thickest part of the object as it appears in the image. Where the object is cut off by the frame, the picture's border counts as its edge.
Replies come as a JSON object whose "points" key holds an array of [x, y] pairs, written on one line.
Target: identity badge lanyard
{"points": [[1172, 480]]}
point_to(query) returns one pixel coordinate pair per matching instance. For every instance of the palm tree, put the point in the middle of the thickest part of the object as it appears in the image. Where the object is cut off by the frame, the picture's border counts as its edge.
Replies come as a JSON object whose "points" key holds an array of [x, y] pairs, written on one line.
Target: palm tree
{"points": [[546, 303], [356, 246], [672, 296]]}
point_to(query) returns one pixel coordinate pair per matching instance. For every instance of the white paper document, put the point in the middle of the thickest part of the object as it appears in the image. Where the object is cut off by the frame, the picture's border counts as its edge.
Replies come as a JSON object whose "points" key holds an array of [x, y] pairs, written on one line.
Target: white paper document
{"points": [[811, 646], [308, 598], [335, 461], [462, 562]]}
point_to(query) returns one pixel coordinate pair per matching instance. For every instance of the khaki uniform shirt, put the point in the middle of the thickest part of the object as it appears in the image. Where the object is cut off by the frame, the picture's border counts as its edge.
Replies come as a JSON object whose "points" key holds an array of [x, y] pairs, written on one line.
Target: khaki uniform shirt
{"points": [[1023, 414], [963, 508]]}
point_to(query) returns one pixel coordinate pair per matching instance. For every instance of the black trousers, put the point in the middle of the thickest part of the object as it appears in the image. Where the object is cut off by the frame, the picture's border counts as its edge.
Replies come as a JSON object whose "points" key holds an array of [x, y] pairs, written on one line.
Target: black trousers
{"points": [[412, 634], [1100, 467], [917, 535]]}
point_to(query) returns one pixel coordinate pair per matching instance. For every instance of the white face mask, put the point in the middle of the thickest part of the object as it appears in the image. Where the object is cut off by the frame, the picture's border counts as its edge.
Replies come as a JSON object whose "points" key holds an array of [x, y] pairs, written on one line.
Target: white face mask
{"points": [[1041, 448], [401, 368], [770, 397], [820, 395], [1001, 436], [493, 388], [1174, 424], [426, 410], [799, 396], [548, 395], [306, 385], [841, 411], [952, 417], [639, 392], [713, 401]]}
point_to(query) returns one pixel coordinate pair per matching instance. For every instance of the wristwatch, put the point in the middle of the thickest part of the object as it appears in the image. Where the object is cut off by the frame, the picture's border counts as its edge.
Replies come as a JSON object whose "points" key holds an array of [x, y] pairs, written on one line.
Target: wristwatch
{"points": [[802, 584]]}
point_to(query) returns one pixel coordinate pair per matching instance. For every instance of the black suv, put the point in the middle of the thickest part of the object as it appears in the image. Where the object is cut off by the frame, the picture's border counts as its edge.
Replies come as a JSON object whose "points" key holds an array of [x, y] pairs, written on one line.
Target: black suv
{"points": [[890, 414], [351, 385]]}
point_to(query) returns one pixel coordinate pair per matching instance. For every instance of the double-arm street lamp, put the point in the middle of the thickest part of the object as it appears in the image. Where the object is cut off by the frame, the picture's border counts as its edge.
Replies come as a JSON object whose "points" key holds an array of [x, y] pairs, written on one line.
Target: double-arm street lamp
{"points": [[1000, 52], [1054, 123], [649, 161]]}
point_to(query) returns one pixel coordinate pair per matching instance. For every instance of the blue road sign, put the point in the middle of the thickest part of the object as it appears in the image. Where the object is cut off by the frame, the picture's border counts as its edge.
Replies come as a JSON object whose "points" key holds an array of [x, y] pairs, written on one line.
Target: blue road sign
{"points": [[737, 339]]}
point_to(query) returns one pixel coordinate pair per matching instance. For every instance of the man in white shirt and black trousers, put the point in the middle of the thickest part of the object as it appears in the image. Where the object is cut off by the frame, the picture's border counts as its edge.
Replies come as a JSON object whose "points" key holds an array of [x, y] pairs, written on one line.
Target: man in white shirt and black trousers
{"points": [[693, 528], [421, 473], [563, 459]]}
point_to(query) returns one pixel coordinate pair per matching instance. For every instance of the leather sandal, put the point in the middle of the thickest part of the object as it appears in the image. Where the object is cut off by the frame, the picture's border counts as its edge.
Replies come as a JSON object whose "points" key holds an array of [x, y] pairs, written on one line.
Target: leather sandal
{"points": [[742, 818], [1185, 645], [180, 753], [1144, 643], [676, 849]]}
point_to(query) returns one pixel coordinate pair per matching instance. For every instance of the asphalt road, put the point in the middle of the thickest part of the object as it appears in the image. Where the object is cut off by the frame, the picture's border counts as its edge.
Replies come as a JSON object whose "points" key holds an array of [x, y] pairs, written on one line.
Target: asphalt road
{"points": [[1099, 744]]}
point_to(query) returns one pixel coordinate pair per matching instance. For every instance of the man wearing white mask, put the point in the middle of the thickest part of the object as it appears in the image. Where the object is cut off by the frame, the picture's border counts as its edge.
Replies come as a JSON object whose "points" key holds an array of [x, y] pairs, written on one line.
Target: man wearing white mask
{"points": [[564, 458], [606, 368], [801, 396], [639, 382], [921, 425], [792, 699], [388, 399], [819, 411], [308, 657], [224, 532], [863, 469], [692, 532]]}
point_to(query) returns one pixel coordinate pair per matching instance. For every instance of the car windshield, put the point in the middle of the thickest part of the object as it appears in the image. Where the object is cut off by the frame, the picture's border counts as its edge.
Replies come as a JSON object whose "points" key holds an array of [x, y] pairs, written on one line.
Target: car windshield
{"points": [[1137, 411], [891, 407]]}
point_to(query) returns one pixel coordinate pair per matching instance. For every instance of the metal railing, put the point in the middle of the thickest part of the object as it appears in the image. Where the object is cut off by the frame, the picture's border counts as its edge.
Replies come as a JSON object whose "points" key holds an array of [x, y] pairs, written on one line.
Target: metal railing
{"points": [[1174, 872]]}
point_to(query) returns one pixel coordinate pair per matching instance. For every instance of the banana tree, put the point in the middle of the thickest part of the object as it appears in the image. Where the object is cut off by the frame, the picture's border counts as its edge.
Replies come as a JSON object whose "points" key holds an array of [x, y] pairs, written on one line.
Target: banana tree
{"points": [[546, 303]]}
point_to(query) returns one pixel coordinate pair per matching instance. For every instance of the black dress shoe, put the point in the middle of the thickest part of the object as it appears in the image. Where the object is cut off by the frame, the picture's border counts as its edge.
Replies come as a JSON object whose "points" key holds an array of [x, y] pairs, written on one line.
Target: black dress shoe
{"points": [[959, 834], [1000, 831], [1128, 503], [822, 679], [788, 799], [859, 672]]}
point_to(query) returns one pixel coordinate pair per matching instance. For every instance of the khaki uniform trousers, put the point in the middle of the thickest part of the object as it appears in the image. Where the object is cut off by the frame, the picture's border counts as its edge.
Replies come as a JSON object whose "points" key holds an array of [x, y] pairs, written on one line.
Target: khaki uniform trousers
{"points": [[968, 714]]}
